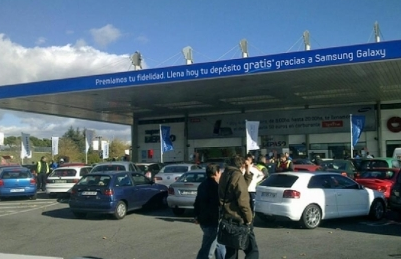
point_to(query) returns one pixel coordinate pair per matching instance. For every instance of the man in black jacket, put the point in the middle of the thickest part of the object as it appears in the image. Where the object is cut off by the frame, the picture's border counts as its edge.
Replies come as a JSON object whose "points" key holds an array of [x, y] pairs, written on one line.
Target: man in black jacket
{"points": [[206, 209]]}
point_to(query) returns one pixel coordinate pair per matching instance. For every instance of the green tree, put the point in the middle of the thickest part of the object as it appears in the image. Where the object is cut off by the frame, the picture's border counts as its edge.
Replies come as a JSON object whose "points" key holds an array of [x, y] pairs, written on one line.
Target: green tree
{"points": [[67, 147], [77, 137], [117, 148]]}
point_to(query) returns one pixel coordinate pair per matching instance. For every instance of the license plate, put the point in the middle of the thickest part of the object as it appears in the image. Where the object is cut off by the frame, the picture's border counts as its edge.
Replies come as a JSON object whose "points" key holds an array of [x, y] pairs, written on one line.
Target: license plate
{"points": [[89, 193], [60, 181], [268, 194], [17, 190], [188, 192]]}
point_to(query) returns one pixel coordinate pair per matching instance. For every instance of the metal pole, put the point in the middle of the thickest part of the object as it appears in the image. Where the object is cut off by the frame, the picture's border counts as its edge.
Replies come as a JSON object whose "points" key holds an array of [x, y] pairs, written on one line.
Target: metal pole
{"points": [[161, 143], [352, 148]]}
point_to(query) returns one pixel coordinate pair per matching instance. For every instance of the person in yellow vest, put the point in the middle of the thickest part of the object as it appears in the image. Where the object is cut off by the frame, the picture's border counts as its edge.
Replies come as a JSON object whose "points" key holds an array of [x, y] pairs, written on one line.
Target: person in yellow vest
{"points": [[42, 170], [284, 164], [261, 165]]}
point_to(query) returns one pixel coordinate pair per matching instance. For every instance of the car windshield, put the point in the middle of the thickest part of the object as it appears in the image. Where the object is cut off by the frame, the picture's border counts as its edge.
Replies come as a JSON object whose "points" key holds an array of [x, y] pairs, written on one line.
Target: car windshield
{"points": [[192, 177], [107, 168], [280, 180], [94, 180], [340, 165], [15, 174], [175, 169], [143, 168], [63, 172], [382, 175]]}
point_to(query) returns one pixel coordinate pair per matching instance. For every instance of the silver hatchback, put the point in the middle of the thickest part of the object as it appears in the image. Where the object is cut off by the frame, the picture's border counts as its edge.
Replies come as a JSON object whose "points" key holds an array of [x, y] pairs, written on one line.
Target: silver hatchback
{"points": [[170, 173]]}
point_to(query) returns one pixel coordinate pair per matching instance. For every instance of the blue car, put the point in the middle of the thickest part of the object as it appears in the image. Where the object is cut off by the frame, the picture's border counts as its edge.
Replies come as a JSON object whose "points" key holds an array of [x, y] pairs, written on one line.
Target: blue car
{"points": [[115, 193], [17, 181]]}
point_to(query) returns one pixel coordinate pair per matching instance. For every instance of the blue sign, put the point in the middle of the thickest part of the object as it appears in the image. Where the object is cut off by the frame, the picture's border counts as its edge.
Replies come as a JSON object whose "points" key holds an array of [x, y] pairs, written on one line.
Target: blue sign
{"points": [[380, 51], [167, 145], [357, 125]]}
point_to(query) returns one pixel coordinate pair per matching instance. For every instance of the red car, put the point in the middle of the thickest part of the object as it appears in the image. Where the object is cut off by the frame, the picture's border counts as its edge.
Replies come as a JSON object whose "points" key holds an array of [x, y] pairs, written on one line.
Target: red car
{"points": [[381, 179], [305, 167]]}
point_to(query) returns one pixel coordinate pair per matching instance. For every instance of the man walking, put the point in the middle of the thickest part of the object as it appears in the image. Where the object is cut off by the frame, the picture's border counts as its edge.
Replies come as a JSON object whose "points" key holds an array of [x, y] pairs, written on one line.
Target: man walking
{"points": [[237, 204], [42, 170], [206, 209]]}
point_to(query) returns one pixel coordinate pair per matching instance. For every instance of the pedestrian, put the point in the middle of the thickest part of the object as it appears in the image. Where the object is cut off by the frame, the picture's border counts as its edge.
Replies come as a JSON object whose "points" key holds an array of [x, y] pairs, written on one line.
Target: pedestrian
{"points": [[261, 165], [236, 203], [257, 176], [42, 170], [206, 210], [288, 156], [284, 164]]}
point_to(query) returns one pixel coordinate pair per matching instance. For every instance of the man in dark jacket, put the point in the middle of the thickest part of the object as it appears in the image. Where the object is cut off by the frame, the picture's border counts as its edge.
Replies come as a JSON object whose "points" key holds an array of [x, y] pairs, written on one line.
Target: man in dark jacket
{"points": [[235, 201], [206, 209]]}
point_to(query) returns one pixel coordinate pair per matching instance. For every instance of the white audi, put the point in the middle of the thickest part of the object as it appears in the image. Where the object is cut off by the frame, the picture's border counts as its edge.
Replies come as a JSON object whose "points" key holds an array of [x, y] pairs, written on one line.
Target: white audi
{"points": [[311, 197]]}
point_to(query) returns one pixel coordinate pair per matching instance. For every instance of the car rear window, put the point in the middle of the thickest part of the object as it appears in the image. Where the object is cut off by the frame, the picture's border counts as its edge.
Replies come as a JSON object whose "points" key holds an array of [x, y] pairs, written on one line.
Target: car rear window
{"points": [[176, 169], [280, 180], [15, 174], [94, 180], [106, 168], [382, 175], [373, 163], [192, 177], [334, 165], [63, 172]]}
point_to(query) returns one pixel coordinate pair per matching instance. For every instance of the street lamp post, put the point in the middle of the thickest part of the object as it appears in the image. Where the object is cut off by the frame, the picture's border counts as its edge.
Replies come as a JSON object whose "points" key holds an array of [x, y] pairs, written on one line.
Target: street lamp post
{"points": [[99, 144]]}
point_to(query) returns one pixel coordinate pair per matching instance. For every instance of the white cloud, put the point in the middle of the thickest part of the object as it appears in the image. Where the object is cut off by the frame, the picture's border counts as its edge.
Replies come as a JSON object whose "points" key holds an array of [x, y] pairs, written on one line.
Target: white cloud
{"points": [[40, 41], [21, 65], [105, 35], [142, 39], [69, 32]]}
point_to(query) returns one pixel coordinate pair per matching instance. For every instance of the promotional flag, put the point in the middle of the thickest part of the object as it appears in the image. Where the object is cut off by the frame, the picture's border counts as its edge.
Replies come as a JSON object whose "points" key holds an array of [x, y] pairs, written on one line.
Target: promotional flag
{"points": [[357, 125], [1, 138], [88, 139], [105, 149], [165, 140], [25, 149], [252, 131], [55, 145]]}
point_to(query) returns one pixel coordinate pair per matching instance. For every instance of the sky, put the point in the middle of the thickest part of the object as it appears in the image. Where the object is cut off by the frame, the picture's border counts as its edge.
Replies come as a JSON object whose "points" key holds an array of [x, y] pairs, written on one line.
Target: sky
{"points": [[53, 39]]}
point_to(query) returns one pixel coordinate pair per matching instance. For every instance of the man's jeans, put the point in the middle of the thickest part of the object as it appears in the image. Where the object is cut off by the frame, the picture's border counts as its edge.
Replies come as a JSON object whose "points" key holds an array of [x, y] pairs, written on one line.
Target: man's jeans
{"points": [[210, 246]]}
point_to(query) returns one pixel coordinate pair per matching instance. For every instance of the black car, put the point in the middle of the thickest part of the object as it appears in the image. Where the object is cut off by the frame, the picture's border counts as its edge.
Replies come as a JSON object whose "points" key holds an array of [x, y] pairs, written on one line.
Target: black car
{"points": [[341, 166], [394, 201]]}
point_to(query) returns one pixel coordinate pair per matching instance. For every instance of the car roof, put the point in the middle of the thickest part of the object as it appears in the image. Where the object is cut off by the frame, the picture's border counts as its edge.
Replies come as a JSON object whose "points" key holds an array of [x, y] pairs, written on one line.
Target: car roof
{"points": [[306, 173], [74, 164], [180, 164], [111, 173], [380, 158], [72, 167], [114, 162], [196, 171]]}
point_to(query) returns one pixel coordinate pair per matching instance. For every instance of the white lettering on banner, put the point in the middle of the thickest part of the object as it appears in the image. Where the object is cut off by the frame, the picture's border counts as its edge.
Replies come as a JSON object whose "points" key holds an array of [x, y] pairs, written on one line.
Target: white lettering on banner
{"points": [[333, 57], [111, 81], [371, 53]]}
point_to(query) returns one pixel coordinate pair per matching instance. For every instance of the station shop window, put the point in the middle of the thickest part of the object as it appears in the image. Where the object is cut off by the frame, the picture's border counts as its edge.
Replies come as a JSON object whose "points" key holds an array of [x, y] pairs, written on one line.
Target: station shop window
{"points": [[391, 145], [337, 150]]}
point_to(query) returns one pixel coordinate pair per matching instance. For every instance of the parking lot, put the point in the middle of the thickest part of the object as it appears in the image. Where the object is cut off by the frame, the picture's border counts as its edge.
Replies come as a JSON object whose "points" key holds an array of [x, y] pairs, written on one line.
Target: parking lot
{"points": [[46, 227]]}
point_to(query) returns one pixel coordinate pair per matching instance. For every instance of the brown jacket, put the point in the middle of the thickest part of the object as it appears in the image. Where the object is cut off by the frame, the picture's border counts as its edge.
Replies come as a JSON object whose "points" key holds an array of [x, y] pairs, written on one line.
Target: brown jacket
{"points": [[237, 205]]}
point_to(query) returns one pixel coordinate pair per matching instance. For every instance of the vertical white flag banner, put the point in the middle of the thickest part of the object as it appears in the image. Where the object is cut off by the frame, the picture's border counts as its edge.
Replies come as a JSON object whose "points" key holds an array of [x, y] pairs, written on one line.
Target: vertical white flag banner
{"points": [[25, 149], [105, 149], [252, 131], [88, 139], [1, 138], [55, 146]]}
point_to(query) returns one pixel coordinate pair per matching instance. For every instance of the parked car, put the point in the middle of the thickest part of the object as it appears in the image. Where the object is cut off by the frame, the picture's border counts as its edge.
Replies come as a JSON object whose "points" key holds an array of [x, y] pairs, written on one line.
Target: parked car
{"points": [[115, 166], [394, 201], [17, 181], [309, 198], [306, 167], [302, 161], [221, 161], [171, 172], [150, 169], [383, 162], [63, 178], [115, 193], [381, 179], [341, 166], [182, 193]]}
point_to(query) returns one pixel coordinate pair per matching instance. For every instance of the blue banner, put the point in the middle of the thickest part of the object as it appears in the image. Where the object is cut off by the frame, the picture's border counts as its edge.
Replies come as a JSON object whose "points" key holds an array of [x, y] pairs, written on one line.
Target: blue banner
{"points": [[167, 145], [381, 51], [357, 125]]}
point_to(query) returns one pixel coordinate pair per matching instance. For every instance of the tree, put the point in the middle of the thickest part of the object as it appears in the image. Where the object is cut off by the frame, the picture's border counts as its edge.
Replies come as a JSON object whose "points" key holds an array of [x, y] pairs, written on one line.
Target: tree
{"points": [[67, 147], [117, 148], [77, 137]]}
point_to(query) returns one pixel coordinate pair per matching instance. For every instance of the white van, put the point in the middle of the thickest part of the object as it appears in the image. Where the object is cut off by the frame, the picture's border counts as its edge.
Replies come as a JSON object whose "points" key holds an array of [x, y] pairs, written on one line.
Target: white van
{"points": [[397, 153]]}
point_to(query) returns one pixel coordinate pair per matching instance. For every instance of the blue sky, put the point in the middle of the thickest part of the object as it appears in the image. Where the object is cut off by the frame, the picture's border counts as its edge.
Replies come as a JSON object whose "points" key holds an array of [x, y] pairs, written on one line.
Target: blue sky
{"points": [[46, 39]]}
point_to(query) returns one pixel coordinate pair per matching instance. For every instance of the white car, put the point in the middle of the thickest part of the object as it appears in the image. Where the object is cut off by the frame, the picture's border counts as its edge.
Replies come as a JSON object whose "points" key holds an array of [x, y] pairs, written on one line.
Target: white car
{"points": [[170, 173], [311, 197], [62, 179]]}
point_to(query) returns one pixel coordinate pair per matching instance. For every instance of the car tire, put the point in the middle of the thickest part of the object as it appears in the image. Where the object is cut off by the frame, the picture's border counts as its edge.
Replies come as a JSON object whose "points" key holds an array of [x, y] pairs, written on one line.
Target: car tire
{"points": [[377, 210], [121, 210], [178, 211], [265, 218], [311, 217], [79, 215], [33, 197]]}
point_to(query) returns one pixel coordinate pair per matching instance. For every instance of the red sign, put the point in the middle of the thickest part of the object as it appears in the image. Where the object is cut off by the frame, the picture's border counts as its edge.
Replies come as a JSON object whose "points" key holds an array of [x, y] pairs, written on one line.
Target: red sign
{"points": [[332, 124]]}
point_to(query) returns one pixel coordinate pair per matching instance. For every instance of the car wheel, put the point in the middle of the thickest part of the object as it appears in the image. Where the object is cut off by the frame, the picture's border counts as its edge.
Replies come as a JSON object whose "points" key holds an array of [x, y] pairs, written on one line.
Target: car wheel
{"points": [[311, 217], [178, 211], [79, 215], [377, 210], [265, 218], [121, 210], [33, 197]]}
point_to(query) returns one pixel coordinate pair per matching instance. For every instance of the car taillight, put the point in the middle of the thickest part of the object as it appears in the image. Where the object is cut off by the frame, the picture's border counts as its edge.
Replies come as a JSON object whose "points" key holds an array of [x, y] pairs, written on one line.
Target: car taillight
{"points": [[1, 182], [171, 191], [108, 192], [291, 194], [32, 181], [382, 188], [158, 178], [344, 173]]}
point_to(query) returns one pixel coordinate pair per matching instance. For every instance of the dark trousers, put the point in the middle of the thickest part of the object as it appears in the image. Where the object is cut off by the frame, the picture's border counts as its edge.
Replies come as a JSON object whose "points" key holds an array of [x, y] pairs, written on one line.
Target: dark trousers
{"points": [[41, 178], [252, 196], [251, 252]]}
